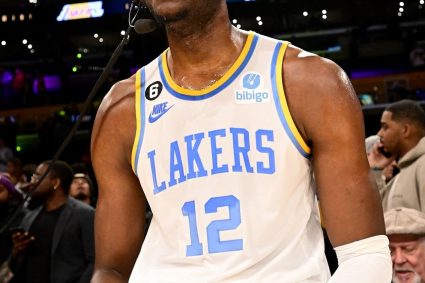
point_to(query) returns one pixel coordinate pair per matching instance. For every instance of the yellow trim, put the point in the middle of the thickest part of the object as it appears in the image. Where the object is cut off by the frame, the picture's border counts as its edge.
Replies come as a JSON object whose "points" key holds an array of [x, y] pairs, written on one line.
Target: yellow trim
{"points": [[137, 101], [218, 83], [282, 99]]}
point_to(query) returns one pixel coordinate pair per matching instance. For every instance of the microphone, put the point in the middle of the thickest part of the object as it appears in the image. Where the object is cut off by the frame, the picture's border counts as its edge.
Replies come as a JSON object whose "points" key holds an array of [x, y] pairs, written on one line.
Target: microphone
{"points": [[142, 26]]}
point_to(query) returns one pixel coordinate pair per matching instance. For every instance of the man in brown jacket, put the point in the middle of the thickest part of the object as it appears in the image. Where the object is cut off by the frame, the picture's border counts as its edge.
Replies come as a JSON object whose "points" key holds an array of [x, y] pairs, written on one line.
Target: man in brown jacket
{"points": [[402, 135]]}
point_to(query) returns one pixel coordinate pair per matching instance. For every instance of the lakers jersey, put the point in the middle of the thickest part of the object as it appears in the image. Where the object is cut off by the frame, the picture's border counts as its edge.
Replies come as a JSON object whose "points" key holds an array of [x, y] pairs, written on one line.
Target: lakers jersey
{"points": [[227, 176]]}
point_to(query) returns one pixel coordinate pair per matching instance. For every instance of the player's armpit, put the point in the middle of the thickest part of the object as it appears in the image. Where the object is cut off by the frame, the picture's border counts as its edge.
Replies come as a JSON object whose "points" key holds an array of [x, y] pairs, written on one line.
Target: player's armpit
{"points": [[119, 220]]}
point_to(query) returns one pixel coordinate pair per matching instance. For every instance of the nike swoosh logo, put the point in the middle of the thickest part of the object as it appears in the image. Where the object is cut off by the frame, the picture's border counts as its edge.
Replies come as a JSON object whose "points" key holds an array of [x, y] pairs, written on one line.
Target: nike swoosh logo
{"points": [[154, 117]]}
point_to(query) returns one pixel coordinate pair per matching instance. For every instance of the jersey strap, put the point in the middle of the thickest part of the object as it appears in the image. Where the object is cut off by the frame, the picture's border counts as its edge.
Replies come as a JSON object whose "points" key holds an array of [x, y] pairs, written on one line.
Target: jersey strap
{"points": [[281, 103]]}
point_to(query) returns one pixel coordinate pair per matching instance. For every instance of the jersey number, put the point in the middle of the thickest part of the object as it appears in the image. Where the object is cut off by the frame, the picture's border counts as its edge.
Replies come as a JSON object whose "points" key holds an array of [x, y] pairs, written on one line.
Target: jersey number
{"points": [[215, 245]]}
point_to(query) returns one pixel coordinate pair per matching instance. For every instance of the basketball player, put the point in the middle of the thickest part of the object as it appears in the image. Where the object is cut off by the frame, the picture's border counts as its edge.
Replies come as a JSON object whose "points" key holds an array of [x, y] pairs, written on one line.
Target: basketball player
{"points": [[221, 134]]}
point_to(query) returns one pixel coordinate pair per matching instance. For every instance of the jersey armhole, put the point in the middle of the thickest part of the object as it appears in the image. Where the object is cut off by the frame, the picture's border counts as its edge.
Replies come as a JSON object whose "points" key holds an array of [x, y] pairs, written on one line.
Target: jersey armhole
{"points": [[140, 118], [281, 102]]}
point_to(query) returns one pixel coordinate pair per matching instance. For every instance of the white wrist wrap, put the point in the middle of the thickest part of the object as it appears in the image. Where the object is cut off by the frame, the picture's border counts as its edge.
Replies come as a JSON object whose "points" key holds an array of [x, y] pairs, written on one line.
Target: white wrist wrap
{"points": [[366, 261]]}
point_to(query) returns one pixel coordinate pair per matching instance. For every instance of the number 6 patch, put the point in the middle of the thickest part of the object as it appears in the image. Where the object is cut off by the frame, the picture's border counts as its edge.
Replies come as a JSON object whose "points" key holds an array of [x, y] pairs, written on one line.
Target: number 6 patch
{"points": [[153, 90]]}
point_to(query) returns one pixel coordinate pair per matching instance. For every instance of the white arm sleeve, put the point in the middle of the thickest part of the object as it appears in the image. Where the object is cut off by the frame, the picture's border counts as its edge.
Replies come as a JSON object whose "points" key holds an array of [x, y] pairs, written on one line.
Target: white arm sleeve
{"points": [[366, 261]]}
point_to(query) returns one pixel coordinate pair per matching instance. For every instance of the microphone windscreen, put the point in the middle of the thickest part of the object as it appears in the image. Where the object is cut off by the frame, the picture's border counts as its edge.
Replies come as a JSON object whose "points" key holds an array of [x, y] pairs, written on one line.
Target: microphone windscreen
{"points": [[142, 26]]}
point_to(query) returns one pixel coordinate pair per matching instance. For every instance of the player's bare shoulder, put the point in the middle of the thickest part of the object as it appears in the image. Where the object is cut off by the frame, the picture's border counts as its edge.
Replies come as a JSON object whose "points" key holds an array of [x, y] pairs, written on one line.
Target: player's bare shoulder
{"points": [[308, 71], [316, 88], [115, 120]]}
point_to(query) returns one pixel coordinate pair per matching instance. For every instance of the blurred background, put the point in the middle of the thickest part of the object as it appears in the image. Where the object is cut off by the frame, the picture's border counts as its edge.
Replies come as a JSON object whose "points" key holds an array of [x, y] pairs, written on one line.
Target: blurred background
{"points": [[52, 52]]}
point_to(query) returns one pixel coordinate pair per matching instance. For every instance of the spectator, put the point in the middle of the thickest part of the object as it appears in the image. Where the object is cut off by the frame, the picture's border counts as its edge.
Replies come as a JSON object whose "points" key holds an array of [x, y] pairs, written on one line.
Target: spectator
{"points": [[9, 199], [82, 188], [406, 231], [15, 171], [383, 167], [58, 246], [5, 154], [402, 136]]}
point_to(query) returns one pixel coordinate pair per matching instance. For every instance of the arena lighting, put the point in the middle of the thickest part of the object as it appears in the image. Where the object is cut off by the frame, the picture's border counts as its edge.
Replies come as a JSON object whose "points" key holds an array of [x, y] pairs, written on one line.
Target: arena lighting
{"points": [[83, 10]]}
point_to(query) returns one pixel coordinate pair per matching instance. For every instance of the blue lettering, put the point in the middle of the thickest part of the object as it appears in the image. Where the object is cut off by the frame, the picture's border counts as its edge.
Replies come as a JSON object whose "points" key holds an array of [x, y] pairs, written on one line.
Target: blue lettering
{"points": [[269, 151], [215, 151], [193, 156], [156, 188], [176, 164], [239, 150]]}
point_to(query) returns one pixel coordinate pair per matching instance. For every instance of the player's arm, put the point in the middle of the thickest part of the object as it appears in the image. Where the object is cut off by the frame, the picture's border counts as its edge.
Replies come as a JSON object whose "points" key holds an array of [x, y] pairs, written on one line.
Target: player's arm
{"points": [[328, 115], [120, 211]]}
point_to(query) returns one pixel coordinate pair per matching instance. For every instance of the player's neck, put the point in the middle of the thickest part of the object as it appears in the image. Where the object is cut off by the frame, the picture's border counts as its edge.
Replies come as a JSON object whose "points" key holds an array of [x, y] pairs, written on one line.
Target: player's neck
{"points": [[208, 54]]}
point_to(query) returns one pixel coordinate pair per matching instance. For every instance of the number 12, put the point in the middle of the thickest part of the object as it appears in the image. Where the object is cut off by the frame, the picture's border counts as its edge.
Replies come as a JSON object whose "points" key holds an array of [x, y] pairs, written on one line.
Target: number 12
{"points": [[215, 245]]}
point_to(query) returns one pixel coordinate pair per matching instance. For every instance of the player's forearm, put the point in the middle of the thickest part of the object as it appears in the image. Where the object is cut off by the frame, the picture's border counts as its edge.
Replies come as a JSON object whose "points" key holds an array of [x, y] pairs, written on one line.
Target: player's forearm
{"points": [[108, 275]]}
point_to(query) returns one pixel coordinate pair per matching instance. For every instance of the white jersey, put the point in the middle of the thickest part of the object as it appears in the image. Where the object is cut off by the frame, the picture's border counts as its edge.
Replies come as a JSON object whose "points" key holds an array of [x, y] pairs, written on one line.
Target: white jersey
{"points": [[227, 175]]}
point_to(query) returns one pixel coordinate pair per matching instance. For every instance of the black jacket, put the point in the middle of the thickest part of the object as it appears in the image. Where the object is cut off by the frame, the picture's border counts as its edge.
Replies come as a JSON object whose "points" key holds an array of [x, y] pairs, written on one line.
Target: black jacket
{"points": [[72, 250]]}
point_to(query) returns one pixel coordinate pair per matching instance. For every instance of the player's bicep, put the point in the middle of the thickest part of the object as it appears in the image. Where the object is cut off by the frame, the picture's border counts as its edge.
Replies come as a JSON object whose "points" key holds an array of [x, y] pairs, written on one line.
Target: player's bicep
{"points": [[120, 211], [348, 196]]}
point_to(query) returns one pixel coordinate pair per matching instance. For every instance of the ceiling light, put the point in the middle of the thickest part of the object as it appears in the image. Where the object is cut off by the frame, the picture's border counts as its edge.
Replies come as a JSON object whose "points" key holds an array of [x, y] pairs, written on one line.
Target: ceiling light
{"points": [[401, 4], [324, 17], [123, 32], [401, 9], [260, 23], [235, 21], [421, 2], [29, 16], [32, 51], [24, 41], [4, 18], [238, 26], [305, 13], [100, 39], [258, 18], [399, 14], [13, 18], [96, 35], [324, 12], [21, 17], [3, 43], [29, 46]]}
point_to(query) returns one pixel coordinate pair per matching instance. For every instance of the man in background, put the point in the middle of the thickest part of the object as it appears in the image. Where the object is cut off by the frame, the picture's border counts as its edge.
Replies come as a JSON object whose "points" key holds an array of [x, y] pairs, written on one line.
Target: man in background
{"points": [[82, 188], [406, 230], [56, 243], [402, 136]]}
